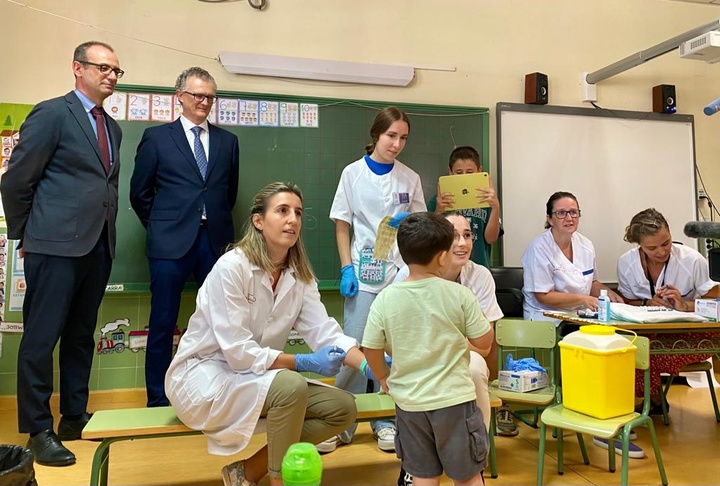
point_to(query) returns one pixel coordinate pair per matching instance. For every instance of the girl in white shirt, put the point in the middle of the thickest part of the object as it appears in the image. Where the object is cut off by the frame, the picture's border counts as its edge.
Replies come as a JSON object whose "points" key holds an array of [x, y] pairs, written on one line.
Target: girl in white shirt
{"points": [[370, 189], [658, 272]]}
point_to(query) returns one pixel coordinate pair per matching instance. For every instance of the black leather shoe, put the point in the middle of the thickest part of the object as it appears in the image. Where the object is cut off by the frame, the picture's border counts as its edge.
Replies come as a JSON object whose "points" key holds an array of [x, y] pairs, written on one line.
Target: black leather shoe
{"points": [[49, 451], [72, 429]]}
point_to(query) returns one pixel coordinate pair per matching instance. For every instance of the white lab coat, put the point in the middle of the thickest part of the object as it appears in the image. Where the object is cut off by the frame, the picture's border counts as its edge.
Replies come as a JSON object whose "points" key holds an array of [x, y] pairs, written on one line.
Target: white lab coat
{"points": [[546, 268], [364, 198], [687, 270], [219, 378], [479, 280]]}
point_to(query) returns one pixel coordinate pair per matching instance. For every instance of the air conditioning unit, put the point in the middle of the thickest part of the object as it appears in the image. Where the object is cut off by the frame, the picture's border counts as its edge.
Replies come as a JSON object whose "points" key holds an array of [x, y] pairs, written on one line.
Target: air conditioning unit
{"points": [[703, 48]]}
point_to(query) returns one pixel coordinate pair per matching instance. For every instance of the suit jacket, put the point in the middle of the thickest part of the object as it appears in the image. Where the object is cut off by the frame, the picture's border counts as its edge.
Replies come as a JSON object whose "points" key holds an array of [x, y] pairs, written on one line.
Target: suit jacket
{"points": [[56, 192], [168, 193]]}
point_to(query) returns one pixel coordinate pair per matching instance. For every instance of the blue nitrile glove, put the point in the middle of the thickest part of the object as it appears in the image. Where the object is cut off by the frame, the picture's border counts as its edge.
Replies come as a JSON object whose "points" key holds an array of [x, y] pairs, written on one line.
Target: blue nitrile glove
{"points": [[525, 364], [397, 219], [367, 372], [348, 281], [325, 361]]}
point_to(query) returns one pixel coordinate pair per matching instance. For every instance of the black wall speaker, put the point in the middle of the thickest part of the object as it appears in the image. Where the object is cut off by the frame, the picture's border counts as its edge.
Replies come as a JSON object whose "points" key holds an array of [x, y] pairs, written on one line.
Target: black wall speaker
{"points": [[536, 88], [714, 261], [664, 100]]}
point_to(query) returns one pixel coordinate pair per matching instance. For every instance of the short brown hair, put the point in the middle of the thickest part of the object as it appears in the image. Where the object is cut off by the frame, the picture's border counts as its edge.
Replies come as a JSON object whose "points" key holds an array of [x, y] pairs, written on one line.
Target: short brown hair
{"points": [[421, 236], [464, 153], [645, 223], [80, 53]]}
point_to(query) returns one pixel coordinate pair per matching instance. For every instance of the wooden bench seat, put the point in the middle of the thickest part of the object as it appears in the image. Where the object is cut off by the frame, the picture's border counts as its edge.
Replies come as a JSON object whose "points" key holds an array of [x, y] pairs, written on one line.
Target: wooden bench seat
{"points": [[111, 426]]}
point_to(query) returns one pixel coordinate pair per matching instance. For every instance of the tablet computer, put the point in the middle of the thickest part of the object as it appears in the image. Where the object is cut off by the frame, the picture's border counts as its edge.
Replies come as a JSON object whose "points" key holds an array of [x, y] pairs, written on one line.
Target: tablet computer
{"points": [[464, 187]]}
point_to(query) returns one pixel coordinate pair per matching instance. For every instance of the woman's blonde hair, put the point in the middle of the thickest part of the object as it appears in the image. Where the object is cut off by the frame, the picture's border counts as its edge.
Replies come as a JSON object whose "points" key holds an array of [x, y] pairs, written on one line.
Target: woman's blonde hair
{"points": [[253, 243], [645, 223]]}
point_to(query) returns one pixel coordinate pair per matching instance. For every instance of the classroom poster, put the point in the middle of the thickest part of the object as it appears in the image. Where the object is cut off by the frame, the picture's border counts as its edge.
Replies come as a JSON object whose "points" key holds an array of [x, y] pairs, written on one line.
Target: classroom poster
{"points": [[12, 115]]}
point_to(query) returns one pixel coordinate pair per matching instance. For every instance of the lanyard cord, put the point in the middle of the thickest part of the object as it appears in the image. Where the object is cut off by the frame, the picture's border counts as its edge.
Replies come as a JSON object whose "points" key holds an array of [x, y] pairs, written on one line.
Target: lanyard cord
{"points": [[647, 274]]}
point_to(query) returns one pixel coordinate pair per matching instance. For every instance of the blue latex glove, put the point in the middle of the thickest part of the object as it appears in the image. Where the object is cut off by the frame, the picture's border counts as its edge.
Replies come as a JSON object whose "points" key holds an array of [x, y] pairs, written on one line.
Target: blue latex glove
{"points": [[325, 361], [348, 281], [525, 364], [368, 372], [397, 219]]}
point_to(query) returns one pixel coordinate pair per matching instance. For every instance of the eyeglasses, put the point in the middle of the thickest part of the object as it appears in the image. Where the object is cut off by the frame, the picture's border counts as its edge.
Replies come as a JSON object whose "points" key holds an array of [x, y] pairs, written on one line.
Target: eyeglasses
{"points": [[201, 97], [562, 214], [467, 237], [105, 69]]}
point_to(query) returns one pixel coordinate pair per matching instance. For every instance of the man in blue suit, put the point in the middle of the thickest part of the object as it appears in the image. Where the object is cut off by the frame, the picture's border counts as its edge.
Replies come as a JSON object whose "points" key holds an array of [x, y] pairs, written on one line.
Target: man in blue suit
{"points": [[183, 189], [60, 195]]}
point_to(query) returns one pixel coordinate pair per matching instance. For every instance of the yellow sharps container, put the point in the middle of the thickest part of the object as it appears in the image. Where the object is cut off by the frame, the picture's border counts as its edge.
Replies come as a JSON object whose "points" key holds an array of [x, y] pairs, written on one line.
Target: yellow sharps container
{"points": [[598, 372]]}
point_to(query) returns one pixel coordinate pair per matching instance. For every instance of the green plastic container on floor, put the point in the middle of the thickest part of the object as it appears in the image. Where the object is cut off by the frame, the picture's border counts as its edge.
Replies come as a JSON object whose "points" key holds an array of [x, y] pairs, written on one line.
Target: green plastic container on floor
{"points": [[302, 465]]}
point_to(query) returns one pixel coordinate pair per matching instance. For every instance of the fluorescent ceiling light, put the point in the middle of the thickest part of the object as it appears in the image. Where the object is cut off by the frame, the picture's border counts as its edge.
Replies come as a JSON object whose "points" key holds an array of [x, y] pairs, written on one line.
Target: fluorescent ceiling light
{"points": [[317, 69]]}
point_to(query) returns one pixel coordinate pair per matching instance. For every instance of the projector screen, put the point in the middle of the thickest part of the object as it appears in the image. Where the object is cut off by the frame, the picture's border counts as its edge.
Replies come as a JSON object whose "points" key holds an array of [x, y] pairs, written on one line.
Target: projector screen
{"points": [[616, 163]]}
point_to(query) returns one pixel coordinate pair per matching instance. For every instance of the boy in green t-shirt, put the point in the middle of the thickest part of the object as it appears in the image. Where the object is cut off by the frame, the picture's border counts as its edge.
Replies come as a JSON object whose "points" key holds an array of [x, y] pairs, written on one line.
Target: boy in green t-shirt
{"points": [[425, 323], [484, 222]]}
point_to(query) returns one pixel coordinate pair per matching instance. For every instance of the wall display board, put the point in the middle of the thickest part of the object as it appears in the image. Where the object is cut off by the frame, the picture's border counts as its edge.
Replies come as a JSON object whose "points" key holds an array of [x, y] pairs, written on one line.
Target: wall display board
{"points": [[617, 163], [307, 141]]}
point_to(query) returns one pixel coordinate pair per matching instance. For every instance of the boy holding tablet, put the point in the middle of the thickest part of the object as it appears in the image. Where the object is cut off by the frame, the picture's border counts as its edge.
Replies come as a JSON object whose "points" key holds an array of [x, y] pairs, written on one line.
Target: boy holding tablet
{"points": [[484, 221]]}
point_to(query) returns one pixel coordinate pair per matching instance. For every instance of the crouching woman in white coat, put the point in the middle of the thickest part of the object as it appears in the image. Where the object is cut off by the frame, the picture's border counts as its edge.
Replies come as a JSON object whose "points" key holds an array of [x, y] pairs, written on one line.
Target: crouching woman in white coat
{"points": [[230, 370]]}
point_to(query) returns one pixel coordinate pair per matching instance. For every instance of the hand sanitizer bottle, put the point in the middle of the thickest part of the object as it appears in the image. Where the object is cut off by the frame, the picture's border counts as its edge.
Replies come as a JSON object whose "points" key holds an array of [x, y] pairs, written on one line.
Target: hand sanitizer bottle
{"points": [[603, 306]]}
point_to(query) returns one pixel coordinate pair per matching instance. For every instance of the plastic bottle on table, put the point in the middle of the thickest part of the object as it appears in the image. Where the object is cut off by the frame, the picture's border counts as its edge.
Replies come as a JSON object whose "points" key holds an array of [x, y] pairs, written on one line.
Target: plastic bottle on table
{"points": [[603, 306]]}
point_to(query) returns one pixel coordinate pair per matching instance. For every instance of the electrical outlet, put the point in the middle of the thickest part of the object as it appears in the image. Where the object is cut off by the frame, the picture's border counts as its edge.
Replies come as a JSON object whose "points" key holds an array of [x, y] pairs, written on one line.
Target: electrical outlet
{"points": [[701, 194]]}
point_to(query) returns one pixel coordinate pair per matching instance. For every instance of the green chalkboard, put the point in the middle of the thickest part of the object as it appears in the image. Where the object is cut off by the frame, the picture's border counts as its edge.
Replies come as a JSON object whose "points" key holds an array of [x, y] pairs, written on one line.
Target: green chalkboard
{"points": [[313, 158]]}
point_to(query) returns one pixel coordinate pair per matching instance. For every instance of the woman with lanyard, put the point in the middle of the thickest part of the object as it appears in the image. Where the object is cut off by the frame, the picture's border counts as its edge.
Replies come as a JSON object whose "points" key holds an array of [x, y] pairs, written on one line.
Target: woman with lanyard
{"points": [[372, 188], [230, 369], [658, 272], [559, 265]]}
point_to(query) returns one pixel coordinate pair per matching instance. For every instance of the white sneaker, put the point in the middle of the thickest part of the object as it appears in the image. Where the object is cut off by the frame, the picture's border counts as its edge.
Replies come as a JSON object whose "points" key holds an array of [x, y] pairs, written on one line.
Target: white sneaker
{"points": [[386, 439], [329, 445], [234, 475]]}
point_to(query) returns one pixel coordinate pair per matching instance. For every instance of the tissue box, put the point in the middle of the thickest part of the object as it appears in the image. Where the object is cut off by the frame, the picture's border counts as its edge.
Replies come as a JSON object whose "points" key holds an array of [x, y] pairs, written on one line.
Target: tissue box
{"points": [[522, 381], [709, 308]]}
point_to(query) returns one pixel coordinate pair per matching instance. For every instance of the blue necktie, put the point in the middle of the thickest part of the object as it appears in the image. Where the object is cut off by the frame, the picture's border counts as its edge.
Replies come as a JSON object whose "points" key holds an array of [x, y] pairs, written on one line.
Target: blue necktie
{"points": [[200, 156]]}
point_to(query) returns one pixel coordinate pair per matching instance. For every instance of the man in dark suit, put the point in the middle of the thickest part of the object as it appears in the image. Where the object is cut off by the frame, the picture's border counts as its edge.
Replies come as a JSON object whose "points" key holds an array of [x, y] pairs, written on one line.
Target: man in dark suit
{"points": [[183, 189], [60, 195]]}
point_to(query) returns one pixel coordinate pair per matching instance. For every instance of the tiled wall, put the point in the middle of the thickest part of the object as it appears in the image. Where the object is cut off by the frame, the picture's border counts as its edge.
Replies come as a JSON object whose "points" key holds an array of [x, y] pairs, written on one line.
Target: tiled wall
{"points": [[126, 369]]}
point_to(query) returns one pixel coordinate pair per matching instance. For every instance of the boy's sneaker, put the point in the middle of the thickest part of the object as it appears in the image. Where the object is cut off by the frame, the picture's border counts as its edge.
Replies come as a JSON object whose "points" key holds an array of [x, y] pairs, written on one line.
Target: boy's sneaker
{"points": [[405, 478], [386, 439], [634, 451], [504, 423], [328, 445]]}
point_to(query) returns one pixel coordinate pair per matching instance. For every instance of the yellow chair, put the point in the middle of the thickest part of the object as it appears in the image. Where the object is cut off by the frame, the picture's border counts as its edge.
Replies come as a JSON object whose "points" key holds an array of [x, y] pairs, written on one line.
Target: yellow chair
{"points": [[614, 429], [705, 366]]}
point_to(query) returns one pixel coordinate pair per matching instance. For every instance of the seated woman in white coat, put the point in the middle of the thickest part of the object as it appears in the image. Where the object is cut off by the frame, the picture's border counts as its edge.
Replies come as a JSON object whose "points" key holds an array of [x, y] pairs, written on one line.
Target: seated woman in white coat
{"points": [[230, 369], [658, 272], [559, 265]]}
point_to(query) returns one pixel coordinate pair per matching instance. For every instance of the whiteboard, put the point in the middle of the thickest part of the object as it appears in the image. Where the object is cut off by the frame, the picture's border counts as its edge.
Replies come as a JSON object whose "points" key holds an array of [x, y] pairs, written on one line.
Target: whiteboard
{"points": [[616, 163]]}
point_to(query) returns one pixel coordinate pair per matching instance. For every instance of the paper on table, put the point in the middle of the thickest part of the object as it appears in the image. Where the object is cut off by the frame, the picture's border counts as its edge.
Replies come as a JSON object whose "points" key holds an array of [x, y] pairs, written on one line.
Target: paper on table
{"points": [[631, 313]]}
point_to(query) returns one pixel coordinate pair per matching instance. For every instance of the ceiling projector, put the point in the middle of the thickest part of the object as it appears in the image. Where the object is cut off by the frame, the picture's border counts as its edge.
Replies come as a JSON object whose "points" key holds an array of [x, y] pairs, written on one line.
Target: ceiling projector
{"points": [[703, 48]]}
